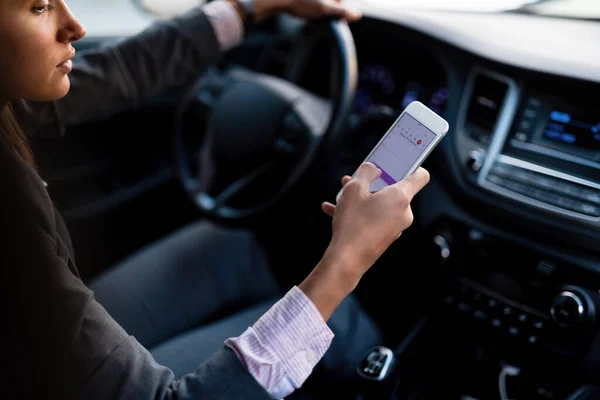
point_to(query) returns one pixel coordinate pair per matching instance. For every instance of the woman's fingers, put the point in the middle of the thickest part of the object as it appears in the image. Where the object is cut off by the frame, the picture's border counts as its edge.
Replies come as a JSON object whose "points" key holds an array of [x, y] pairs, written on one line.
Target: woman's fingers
{"points": [[417, 180], [363, 177], [337, 9], [328, 208]]}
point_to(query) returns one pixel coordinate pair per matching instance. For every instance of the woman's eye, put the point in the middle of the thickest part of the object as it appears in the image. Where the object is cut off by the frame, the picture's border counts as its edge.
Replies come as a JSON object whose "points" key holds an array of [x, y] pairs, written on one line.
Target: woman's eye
{"points": [[41, 9]]}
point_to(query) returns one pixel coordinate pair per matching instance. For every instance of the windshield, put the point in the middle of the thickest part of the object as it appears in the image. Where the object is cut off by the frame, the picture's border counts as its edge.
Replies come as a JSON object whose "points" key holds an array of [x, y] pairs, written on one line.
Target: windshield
{"points": [[585, 9], [168, 8], [464, 5]]}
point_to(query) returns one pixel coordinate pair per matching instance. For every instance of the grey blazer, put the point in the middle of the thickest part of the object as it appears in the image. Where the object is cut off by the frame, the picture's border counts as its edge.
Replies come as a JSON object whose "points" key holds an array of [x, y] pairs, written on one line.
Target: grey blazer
{"points": [[58, 341]]}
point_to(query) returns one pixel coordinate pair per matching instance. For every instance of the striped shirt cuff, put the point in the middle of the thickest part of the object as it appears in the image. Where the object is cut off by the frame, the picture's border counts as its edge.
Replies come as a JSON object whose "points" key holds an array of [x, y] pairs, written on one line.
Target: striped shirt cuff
{"points": [[227, 24], [282, 348]]}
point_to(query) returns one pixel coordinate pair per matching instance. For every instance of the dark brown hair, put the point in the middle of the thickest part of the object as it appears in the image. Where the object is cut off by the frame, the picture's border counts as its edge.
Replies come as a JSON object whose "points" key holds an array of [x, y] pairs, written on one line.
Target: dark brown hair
{"points": [[11, 133]]}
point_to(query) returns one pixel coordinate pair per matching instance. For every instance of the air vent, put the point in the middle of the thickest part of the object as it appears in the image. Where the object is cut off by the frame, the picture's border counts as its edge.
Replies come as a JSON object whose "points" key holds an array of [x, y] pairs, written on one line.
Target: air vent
{"points": [[485, 104]]}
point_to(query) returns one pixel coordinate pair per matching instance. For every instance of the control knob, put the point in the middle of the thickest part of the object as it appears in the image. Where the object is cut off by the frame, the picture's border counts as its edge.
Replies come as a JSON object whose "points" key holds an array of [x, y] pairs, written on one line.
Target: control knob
{"points": [[571, 308], [475, 160]]}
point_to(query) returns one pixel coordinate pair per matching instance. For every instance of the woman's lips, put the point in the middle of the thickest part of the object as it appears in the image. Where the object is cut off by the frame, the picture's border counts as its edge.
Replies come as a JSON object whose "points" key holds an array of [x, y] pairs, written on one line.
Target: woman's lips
{"points": [[66, 67]]}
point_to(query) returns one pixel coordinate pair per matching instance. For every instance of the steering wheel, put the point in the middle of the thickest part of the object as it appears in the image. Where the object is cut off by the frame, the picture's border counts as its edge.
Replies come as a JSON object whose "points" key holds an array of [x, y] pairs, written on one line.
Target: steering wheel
{"points": [[262, 132]]}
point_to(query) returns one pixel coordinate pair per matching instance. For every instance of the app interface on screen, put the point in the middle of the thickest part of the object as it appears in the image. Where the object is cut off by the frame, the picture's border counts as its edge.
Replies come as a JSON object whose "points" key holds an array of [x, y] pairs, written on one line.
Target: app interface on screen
{"points": [[403, 145]]}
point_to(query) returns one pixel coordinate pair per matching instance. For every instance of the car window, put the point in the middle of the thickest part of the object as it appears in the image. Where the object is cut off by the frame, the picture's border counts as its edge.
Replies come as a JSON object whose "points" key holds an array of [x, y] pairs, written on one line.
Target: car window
{"points": [[168, 8]]}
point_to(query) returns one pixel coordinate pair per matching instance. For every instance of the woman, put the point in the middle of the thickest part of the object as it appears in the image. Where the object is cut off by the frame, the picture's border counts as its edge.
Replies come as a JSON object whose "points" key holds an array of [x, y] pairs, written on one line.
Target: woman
{"points": [[64, 340]]}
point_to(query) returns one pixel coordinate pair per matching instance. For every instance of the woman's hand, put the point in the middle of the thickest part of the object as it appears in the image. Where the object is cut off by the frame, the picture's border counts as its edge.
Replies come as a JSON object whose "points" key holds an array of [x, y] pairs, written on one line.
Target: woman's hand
{"points": [[309, 9], [365, 224]]}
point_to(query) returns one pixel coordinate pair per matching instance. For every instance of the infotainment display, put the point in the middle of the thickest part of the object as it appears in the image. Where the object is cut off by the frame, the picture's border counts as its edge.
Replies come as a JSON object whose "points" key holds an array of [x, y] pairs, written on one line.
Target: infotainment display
{"points": [[558, 128], [574, 129]]}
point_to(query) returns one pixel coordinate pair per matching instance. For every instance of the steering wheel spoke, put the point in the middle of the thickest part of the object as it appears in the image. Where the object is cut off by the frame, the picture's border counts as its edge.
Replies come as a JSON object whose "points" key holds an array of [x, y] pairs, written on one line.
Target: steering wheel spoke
{"points": [[315, 113], [239, 185]]}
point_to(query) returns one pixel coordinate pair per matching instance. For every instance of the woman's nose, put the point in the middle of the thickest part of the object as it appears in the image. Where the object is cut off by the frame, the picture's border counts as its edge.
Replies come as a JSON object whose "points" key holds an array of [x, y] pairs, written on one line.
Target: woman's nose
{"points": [[71, 29]]}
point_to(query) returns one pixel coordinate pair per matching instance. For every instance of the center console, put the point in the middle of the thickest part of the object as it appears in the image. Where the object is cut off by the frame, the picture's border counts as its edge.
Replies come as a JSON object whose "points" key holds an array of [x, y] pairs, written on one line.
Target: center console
{"points": [[549, 157], [526, 296], [513, 298], [506, 303], [535, 144]]}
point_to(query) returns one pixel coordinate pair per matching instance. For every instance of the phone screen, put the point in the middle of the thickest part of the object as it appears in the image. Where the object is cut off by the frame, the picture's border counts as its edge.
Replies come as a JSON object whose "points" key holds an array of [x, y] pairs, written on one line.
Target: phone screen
{"points": [[399, 150]]}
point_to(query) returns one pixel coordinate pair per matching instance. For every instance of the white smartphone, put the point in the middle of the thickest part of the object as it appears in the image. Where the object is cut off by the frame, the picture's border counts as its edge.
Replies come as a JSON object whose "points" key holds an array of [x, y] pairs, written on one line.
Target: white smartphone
{"points": [[405, 146]]}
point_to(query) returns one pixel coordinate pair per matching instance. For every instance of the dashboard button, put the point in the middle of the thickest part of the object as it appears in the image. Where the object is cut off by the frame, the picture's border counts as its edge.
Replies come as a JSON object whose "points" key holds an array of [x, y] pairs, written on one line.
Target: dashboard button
{"points": [[522, 136], [480, 314], [496, 323], [513, 330], [525, 126], [475, 161], [538, 324], [522, 317], [530, 113], [532, 339]]}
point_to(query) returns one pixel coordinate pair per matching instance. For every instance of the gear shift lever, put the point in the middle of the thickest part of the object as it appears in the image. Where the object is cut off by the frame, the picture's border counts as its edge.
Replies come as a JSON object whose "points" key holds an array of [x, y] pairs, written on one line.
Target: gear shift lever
{"points": [[381, 368], [375, 372], [376, 364]]}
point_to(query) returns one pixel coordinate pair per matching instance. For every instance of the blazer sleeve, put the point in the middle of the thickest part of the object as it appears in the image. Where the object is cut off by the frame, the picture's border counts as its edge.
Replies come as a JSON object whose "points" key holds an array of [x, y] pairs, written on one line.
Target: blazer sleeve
{"points": [[121, 75], [58, 341]]}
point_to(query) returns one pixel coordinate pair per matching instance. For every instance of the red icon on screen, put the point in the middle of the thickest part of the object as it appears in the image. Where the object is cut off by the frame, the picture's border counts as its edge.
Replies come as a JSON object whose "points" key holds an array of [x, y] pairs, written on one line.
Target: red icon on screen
{"points": [[419, 141]]}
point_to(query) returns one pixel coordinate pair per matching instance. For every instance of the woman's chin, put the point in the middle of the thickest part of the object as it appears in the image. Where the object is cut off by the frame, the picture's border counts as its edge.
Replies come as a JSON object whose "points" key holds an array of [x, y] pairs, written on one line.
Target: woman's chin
{"points": [[62, 89], [56, 92]]}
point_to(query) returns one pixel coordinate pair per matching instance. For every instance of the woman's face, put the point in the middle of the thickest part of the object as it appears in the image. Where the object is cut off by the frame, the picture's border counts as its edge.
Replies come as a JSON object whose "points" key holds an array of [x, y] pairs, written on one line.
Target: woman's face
{"points": [[35, 49]]}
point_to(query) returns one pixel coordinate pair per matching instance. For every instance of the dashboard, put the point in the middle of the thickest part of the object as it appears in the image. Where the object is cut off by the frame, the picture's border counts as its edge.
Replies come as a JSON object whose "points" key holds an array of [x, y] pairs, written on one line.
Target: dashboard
{"points": [[523, 142], [541, 143], [515, 190], [393, 74], [384, 85]]}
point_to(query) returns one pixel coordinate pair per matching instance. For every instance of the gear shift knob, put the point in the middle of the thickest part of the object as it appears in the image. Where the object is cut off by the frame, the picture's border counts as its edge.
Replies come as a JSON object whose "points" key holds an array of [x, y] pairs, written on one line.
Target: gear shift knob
{"points": [[375, 372], [377, 363]]}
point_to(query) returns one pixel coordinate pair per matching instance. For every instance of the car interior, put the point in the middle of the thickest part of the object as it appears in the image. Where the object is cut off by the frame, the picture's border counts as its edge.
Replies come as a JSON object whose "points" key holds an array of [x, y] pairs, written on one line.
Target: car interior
{"points": [[492, 293]]}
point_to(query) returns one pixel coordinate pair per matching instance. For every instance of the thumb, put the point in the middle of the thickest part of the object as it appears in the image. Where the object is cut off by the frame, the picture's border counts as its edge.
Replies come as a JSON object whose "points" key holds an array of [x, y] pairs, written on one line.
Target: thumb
{"points": [[366, 174]]}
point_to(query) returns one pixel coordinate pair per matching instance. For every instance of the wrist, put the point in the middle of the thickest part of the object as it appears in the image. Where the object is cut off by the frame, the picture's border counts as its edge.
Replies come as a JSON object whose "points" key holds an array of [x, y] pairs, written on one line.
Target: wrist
{"points": [[330, 282]]}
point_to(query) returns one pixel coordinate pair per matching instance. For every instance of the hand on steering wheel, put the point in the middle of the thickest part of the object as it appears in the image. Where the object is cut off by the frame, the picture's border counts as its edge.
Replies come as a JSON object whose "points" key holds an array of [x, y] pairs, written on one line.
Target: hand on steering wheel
{"points": [[308, 9]]}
